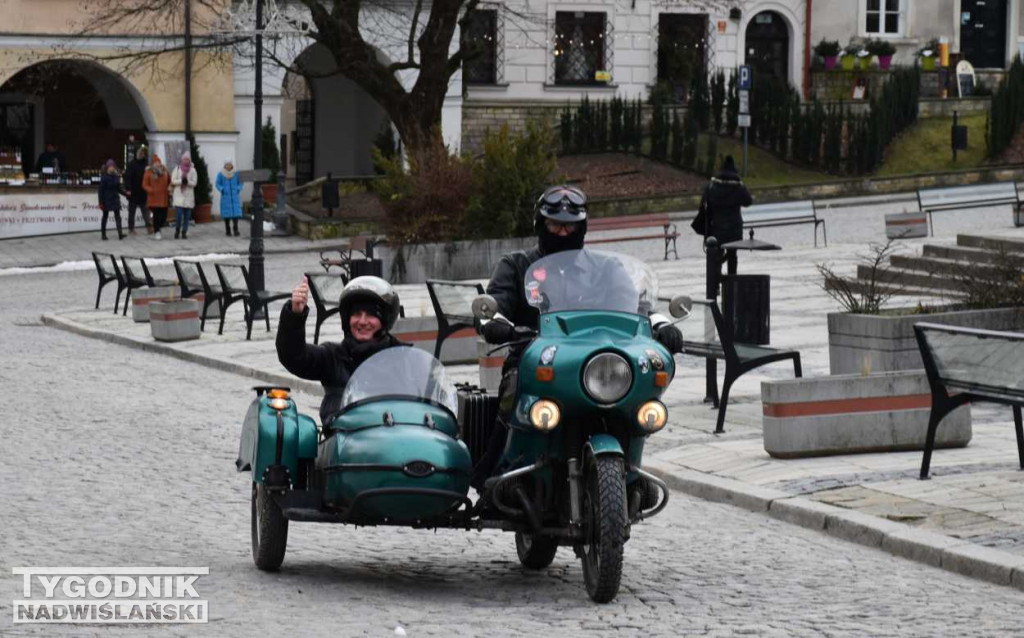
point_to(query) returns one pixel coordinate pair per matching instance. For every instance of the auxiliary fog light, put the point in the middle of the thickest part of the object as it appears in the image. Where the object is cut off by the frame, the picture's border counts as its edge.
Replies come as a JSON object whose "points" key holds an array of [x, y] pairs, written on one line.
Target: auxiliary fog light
{"points": [[652, 416], [545, 415]]}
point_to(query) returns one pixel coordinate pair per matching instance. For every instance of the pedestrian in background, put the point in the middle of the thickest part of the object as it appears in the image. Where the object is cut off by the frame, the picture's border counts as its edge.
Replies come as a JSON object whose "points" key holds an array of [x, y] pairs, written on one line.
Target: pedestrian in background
{"points": [[230, 187], [183, 181], [157, 184], [719, 215], [110, 198], [134, 174]]}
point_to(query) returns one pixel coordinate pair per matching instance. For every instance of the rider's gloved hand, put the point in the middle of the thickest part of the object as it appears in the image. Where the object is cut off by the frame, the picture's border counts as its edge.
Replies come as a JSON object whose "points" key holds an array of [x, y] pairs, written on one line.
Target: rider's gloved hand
{"points": [[670, 337], [498, 332]]}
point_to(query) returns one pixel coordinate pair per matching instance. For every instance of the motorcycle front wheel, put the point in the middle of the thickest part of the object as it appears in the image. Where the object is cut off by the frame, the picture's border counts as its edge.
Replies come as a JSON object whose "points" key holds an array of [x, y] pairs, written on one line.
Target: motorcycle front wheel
{"points": [[269, 530], [605, 517]]}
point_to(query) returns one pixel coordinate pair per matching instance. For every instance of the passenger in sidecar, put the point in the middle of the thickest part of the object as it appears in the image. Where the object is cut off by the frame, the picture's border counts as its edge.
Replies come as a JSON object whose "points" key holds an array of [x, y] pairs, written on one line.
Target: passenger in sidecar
{"points": [[369, 310]]}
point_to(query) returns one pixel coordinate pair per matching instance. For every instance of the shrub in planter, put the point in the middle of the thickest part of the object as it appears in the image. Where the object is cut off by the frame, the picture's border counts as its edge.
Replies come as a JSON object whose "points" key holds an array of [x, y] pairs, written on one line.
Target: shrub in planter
{"points": [[883, 50], [828, 50], [204, 202], [928, 54]]}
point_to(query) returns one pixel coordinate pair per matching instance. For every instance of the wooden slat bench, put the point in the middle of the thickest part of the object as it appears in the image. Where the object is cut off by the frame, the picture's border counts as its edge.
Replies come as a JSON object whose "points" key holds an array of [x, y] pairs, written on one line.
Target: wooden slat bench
{"points": [[362, 244], [934, 200], [968, 364], [630, 222], [785, 214]]}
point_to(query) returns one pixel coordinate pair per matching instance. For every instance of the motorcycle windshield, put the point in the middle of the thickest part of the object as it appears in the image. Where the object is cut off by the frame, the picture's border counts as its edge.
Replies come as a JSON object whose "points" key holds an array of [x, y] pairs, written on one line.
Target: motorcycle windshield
{"points": [[401, 372], [591, 280]]}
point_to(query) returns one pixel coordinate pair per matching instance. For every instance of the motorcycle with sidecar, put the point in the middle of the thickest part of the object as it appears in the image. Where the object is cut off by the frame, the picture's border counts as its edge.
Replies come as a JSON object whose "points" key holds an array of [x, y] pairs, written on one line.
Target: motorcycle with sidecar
{"points": [[577, 408]]}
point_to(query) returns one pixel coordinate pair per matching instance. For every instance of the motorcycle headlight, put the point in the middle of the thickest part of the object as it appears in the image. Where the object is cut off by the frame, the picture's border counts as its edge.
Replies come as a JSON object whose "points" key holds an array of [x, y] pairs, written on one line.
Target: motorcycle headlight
{"points": [[652, 416], [607, 378], [278, 404]]}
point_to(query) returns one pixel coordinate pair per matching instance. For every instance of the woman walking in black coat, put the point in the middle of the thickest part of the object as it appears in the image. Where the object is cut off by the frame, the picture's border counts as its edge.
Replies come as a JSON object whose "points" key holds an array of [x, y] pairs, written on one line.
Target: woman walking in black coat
{"points": [[110, 198], [724, 195]]}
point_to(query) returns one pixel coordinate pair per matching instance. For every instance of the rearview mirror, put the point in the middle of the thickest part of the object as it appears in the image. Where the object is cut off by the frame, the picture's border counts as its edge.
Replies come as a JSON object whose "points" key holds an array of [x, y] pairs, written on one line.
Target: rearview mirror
{"points": [[484, 307], [680, 306]]}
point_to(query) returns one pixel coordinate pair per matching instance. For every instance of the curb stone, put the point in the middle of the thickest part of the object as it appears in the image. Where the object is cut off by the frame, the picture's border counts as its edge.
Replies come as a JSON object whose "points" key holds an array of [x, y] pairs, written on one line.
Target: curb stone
{"points": [[269, 378], [946, 552]]}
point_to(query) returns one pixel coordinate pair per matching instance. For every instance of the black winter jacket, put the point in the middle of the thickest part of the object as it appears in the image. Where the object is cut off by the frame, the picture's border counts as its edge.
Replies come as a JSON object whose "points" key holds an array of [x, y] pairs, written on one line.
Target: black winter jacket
{"points": [[110, 192], [332, 364], [133, 181], [508, 288], [723, 196]]}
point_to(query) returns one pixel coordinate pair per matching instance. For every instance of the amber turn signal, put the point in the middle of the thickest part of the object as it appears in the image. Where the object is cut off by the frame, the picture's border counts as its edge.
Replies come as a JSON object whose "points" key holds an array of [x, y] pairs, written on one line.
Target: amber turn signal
{"points": [[660, 379], [545, 374], [278, 393]]}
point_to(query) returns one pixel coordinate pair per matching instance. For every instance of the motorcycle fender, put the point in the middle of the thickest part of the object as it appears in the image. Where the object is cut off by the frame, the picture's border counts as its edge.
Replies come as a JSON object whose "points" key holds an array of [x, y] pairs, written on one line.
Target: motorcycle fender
{"points": [[602, 444]]}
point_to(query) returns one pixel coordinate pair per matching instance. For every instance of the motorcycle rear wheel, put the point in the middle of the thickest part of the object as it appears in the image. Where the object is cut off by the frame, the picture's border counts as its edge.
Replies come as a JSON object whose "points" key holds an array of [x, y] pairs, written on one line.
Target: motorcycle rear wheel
{"points": [[269, 530], [535, 552], [605, 518]]}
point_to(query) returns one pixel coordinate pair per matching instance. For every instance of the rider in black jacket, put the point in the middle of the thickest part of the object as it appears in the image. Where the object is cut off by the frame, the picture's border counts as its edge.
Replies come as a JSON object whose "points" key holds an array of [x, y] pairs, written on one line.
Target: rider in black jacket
{"points": [[561, 224], [369, 309]]}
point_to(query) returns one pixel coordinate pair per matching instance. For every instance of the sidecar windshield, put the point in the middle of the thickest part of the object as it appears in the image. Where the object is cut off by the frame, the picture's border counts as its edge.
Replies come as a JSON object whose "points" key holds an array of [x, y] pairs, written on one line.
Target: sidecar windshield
{"points": [[591, 280], [401, 372]]}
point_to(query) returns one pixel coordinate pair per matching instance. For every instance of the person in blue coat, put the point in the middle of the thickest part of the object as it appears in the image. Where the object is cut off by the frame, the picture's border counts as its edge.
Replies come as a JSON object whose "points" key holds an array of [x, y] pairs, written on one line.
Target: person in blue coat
{"points": [[230, 187]]}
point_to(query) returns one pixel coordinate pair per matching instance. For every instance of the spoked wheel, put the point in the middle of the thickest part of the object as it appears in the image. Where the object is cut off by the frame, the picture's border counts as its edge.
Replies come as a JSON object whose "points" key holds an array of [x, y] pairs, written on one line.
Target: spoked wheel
{"points": [[605, 517], [535, 552], [269, 530]]}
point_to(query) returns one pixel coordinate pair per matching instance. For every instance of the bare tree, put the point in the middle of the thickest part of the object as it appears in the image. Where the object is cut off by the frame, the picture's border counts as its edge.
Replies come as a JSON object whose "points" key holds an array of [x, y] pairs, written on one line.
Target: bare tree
{"points": [[346, 29]]}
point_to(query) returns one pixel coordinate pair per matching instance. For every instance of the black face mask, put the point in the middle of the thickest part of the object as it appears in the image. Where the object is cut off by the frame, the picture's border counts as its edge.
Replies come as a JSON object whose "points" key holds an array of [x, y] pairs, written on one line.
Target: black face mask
{"points": [[550, 244]]}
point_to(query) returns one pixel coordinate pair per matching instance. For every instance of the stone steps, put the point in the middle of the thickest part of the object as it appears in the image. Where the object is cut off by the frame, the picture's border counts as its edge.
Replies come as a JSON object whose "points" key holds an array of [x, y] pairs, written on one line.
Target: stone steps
{"points": [[1015, 246], [939, 266], [910, 279]]}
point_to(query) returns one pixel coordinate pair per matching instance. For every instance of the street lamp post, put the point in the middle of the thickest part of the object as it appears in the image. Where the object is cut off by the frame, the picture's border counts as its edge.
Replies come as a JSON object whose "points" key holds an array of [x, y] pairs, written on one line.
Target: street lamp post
{"points": [[256, 229]]}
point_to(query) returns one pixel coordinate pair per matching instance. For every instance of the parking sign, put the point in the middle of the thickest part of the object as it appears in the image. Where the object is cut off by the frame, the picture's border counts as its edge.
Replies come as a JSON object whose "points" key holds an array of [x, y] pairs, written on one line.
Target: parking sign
{"points": [[746, 77]]}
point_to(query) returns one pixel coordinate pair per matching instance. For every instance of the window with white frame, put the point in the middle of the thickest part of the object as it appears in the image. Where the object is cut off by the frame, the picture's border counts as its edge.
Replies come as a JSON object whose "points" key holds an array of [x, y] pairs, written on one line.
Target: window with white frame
{"points": [[580, 46], [884, 17]]}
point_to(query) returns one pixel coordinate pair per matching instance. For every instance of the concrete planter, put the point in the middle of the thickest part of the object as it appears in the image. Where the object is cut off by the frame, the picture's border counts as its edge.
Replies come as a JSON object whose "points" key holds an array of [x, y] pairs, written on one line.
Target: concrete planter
{"points": [[458, 260], [906, 225], [142, 298], [867, 344], [849, 414], [175, 320], [422, 333]]}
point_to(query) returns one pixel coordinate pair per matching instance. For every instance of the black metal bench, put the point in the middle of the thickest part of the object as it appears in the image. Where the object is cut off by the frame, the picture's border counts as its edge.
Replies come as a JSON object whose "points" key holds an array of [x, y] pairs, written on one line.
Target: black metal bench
{"points": [[452, 301], [137, 275], [236, 286], [109, 270], [629, 222], [785, 214], [934, 200], [739, 358], [968, 364], [193, 281], [325, 289]]}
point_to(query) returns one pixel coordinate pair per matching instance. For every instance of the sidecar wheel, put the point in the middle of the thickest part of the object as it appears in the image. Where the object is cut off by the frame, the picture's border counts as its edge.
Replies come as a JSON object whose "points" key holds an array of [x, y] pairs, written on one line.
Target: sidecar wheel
{"points": [[535, 552], [269, 530], [604, 509]]}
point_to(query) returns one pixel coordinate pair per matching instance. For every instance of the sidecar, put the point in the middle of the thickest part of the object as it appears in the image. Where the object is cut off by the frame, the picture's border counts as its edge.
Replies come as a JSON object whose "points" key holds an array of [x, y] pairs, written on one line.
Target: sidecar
{"points": [[390, 456]]}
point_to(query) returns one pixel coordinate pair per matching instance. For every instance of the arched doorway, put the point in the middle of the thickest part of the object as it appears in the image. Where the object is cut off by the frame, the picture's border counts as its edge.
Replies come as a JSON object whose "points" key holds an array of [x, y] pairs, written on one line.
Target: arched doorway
{"points": [[84, 109], [767, 45], [331, 122]]}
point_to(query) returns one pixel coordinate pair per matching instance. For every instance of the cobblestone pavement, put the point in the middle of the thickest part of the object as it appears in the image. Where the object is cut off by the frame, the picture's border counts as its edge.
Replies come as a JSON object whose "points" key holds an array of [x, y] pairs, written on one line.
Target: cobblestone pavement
{"points": [[121, 457]]}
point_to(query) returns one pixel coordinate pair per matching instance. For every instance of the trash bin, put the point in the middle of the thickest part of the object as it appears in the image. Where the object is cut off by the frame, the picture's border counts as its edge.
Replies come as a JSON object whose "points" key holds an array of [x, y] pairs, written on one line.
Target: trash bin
{"points": [[367, 267], [746, 303]]}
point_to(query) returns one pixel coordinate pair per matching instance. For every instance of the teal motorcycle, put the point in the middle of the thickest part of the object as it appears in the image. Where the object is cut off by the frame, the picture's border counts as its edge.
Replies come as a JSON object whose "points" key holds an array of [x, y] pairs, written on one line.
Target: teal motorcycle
{"points": [[577, 409]]}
